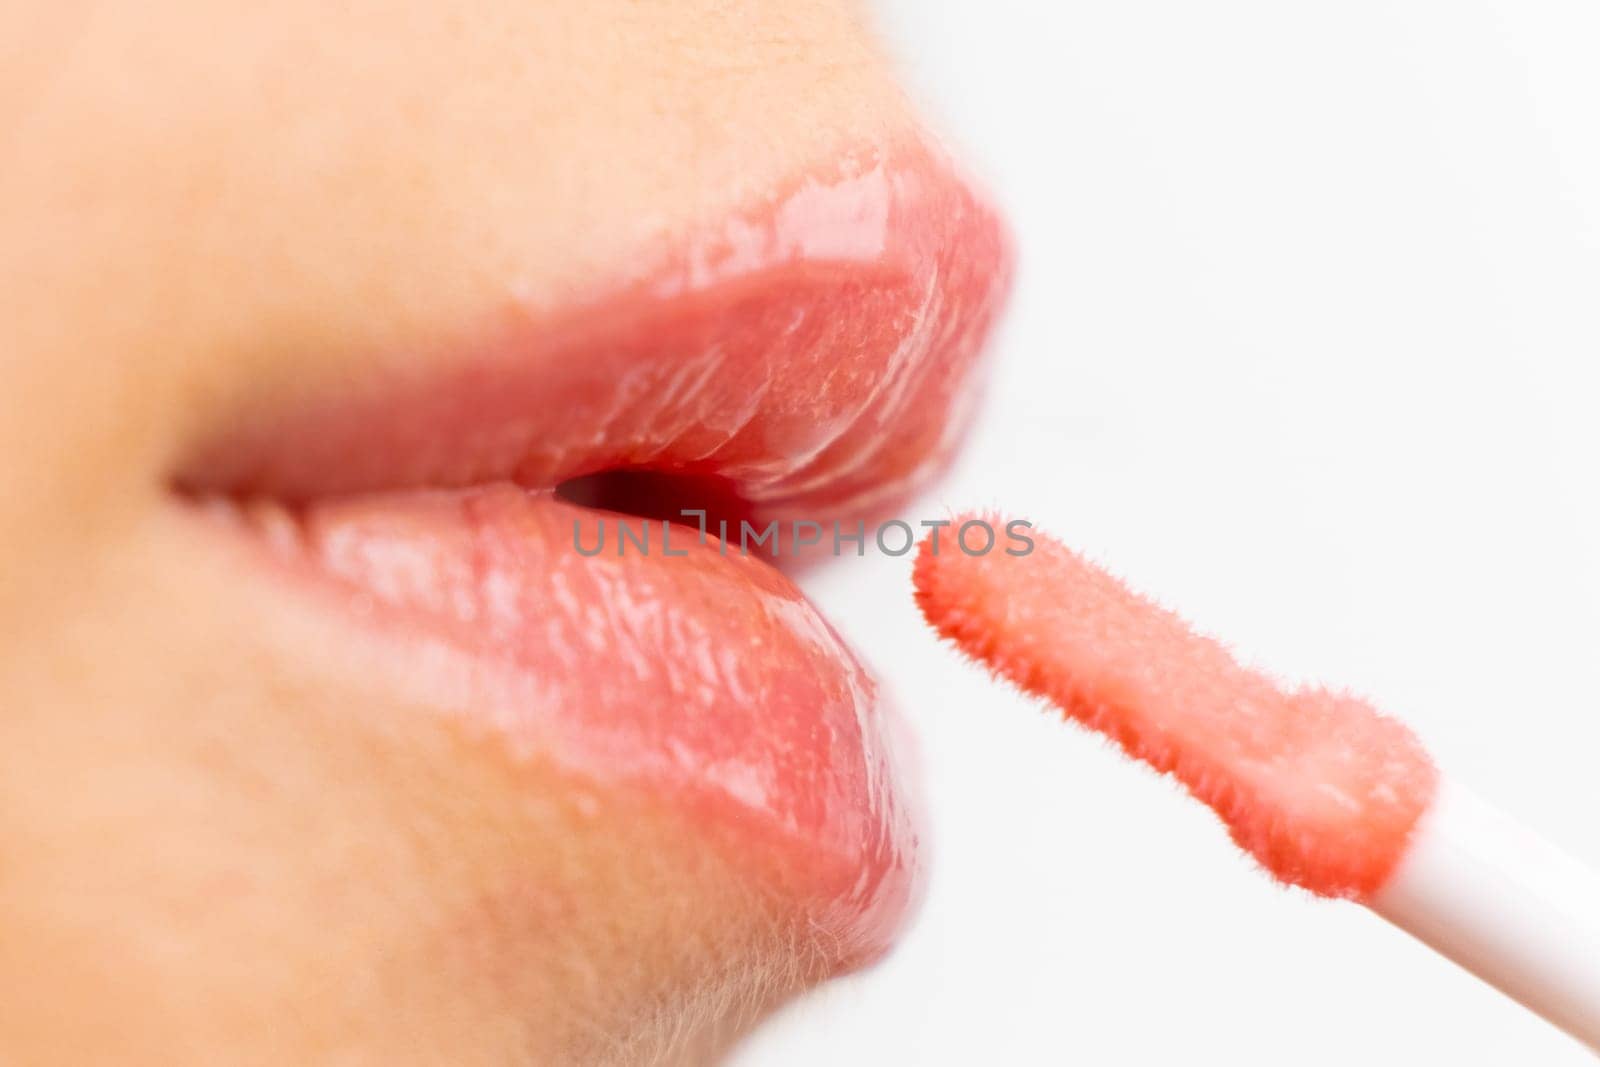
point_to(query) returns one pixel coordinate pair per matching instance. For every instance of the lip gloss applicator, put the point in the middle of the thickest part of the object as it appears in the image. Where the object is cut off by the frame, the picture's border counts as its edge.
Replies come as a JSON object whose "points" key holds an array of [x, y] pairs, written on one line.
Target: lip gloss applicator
{"points": [[1324, 791]]}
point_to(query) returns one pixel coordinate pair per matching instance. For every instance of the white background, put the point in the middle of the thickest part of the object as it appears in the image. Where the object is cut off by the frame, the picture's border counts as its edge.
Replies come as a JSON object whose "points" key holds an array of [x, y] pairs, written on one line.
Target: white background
{"points": [[1305, 344]]}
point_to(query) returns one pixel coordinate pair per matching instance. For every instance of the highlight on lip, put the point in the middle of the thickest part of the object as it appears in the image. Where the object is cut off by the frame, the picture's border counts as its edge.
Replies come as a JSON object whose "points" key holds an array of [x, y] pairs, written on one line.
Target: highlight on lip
{"points": [[812, 357], [1319, 787]]}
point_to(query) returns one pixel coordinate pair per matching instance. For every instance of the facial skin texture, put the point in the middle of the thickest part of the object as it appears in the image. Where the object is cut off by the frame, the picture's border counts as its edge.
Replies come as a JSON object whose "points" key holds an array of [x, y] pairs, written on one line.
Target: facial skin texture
{"points": [[216, 843]]}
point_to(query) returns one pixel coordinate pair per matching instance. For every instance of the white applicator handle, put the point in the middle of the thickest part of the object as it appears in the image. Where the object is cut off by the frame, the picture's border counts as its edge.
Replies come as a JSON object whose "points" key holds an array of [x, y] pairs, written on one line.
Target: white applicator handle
{"points": [[1506, 905]]}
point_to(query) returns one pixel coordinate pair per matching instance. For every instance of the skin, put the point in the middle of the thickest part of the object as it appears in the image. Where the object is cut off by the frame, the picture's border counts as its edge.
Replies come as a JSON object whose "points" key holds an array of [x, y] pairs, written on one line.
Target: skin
{"points": [[216, 845]]}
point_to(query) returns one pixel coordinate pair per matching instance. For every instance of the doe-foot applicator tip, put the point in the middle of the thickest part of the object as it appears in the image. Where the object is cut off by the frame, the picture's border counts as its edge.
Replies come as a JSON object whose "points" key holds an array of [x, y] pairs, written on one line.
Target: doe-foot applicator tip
{"points": [[1323, 790]]}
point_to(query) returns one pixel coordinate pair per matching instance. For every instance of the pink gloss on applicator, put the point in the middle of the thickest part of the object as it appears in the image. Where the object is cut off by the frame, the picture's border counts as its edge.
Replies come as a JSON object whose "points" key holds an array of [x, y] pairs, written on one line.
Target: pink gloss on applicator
{"points": [[1323, 790]]}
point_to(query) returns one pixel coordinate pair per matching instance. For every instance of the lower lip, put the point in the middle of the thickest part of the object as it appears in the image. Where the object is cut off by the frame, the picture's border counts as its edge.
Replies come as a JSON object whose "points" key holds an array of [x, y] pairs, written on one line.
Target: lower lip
{"points": [[698, 675], [815, 357]]}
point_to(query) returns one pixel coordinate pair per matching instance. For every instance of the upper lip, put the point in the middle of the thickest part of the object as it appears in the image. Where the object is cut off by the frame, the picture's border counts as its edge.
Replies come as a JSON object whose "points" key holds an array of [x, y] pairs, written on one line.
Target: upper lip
{"points": [[808, 357], [812, 351]]}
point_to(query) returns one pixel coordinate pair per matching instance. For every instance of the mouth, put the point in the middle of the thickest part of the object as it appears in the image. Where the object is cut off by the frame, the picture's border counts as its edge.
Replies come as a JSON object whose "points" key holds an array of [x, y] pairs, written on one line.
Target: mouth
{"points": [[805, 360]]}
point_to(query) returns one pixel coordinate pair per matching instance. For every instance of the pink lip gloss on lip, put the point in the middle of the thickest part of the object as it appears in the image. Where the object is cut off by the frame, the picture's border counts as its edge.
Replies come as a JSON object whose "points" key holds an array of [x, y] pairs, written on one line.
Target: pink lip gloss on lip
{"points": [[811, 353]]}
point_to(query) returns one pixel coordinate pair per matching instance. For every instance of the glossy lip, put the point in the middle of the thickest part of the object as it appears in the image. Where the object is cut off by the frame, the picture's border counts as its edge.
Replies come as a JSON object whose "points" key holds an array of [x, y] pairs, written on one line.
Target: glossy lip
{"points": [[809, 357]]}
